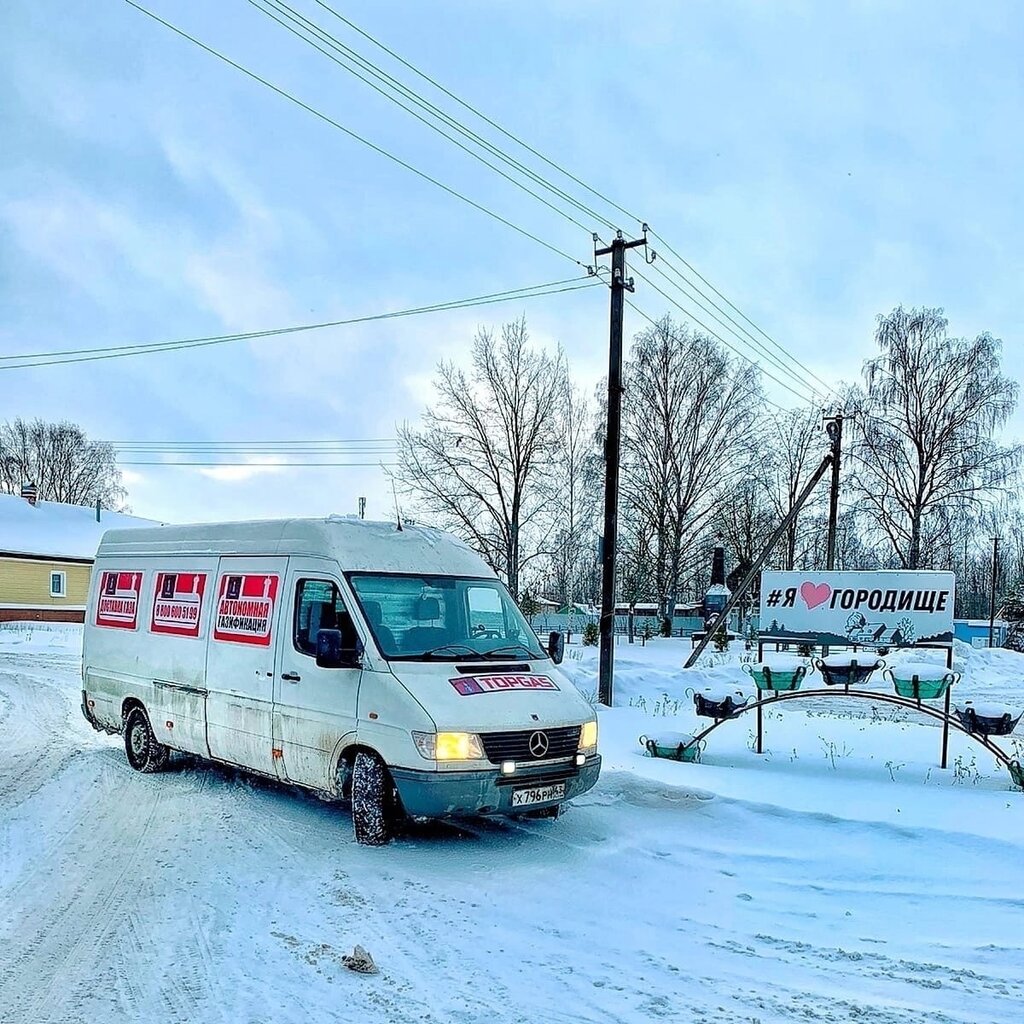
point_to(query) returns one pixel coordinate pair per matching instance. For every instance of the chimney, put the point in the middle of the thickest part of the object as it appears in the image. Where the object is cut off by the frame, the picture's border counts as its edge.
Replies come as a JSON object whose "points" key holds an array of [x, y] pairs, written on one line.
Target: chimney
{"points": [[30, 493], [718, 564], [97, 510]]}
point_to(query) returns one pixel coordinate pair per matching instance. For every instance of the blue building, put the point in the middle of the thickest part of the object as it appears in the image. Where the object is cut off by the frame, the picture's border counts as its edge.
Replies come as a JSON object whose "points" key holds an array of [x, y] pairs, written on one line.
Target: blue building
{"points": [[975, 632]]}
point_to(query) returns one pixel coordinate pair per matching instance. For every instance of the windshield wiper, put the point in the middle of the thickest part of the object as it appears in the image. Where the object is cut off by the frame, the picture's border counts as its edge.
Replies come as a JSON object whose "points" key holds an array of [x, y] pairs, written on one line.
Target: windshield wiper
{"points": [[510, 651], [454, 651]]}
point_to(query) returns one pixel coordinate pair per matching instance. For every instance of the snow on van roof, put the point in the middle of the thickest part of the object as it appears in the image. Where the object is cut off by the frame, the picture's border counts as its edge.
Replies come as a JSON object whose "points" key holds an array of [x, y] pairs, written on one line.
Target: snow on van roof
{"points": [[51, 529], [357, 544]]}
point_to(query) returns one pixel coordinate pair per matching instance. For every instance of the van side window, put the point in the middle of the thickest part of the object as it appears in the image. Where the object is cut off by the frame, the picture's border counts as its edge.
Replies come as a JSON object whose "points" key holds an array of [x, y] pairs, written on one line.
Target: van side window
{"points": [[318, 605]]}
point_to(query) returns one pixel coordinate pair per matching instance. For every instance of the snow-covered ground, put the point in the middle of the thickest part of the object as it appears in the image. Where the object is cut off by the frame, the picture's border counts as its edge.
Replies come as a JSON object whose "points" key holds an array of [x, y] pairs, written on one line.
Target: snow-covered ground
{"points": [[839, 877]]}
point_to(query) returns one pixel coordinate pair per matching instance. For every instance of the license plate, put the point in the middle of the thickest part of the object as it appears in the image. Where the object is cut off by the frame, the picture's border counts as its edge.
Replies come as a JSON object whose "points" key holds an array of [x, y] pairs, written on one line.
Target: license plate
{"points": [[538, 795]]}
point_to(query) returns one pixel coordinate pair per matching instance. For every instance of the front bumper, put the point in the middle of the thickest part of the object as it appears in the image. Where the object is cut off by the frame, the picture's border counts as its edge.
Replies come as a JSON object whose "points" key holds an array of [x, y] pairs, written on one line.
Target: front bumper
{"points": [[464, 794]]}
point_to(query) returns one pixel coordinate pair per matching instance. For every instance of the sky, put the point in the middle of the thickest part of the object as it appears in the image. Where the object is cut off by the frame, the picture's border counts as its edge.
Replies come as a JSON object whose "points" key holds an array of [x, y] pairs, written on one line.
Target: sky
{"points": [[817, 163]]}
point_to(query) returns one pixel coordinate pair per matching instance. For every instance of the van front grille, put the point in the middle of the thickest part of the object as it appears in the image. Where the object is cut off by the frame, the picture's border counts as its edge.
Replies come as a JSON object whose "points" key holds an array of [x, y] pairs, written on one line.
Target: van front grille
{"points": [[526, 745]]}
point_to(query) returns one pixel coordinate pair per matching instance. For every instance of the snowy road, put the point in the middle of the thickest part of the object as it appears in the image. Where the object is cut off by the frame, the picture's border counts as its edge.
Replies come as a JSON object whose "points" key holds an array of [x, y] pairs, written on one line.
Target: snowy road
{"points": [[205, 895]]}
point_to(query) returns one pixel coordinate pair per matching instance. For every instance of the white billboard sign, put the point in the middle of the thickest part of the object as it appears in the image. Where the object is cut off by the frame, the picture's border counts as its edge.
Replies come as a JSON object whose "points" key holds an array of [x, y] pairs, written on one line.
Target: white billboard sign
{"points": [[870, 609]]}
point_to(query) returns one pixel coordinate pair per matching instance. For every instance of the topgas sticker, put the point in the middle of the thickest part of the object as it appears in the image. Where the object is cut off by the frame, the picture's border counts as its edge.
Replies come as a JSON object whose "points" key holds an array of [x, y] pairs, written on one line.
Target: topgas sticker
{"points": [[467, 685]]}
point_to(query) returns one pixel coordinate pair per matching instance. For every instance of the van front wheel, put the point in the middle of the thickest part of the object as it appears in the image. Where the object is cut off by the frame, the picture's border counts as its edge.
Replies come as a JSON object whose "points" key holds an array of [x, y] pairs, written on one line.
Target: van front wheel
{"points": [[144, 753], [375, 809]]}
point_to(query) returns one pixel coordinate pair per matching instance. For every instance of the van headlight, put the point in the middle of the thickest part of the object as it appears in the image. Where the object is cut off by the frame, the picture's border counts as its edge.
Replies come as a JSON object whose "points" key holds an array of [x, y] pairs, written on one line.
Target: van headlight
{"points": [[449, 746], [588, 737]]}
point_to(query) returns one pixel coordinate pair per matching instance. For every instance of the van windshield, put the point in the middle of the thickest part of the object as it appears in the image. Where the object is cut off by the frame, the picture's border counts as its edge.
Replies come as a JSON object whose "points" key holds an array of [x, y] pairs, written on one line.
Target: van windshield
{"points": [[443, 618]]}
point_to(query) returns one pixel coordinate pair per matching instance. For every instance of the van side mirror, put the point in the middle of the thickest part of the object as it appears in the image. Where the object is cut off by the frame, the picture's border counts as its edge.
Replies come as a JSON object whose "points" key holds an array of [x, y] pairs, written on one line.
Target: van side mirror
{"points": [[556, 646], [331, 654]]}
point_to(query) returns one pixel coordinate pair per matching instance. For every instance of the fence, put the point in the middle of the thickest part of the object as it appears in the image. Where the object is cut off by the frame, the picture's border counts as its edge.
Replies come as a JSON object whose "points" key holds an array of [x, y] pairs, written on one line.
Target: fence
{"points": [[548, 622]]}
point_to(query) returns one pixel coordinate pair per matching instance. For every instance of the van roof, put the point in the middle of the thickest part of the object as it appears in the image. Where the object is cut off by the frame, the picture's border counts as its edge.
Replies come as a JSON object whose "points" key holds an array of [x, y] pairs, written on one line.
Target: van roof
{"points": [[355, 543]]}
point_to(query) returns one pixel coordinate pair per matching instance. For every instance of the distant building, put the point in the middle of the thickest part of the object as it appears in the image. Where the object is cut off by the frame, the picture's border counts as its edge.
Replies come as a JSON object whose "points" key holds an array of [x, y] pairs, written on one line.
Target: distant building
{"points": [[46, 554], [975, 631]]}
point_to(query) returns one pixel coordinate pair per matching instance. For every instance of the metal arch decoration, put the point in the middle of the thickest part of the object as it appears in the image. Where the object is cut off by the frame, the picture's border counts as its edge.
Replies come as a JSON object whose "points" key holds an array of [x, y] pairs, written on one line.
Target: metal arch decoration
{"points": [[943, 715]]}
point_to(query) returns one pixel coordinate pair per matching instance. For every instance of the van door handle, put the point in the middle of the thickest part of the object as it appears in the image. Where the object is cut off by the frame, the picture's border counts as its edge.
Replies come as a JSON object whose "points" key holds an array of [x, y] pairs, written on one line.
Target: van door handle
{"points": [[291, 677]]}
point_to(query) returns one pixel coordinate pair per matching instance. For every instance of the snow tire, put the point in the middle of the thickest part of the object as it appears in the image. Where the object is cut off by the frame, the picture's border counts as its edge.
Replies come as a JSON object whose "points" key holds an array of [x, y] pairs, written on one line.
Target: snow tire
{"points": [[144, 753], [375, 809]]}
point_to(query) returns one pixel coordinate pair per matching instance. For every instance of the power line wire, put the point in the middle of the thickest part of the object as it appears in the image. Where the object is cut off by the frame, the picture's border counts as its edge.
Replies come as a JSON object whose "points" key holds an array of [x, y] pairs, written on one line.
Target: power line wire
{"points": [[654, 323], [350, 56], [593, 191], [802, 398], [473, 110], [58, 358], [262, 465], [767, 336], [354, 135], [447, 188], [758, 347], [689, 313]]}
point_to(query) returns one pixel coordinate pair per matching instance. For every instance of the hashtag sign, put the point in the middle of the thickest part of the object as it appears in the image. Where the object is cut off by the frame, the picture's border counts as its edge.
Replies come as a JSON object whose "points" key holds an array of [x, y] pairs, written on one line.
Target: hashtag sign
{"points": [[774, 598]]}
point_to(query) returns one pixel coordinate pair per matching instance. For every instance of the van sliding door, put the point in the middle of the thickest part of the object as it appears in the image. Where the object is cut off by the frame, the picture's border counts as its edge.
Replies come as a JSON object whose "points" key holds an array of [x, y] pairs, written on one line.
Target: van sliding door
{"points": [[240, 660]]}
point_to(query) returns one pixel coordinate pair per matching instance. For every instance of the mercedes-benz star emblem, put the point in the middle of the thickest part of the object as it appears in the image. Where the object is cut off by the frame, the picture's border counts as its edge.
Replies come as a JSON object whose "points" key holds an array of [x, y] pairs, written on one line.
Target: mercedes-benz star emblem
{"points": [[538, 744]]}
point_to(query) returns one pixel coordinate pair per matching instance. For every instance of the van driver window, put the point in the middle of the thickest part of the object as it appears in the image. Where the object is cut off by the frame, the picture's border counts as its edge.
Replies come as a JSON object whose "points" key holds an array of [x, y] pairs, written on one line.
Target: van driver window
{"points": [[318, 605]]}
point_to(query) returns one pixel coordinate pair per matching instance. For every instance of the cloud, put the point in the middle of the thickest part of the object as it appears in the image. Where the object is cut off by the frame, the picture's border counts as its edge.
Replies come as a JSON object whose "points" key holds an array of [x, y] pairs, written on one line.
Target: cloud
{"points": [[255, 466]]}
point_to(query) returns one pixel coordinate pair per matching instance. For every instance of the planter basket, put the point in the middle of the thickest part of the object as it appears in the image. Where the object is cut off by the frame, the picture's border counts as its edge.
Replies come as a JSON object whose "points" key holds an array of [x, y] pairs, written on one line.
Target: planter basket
{"points": [[766, 678], [726, 707], [918, 688], [674, 751], [848, 674], [987, 725]]}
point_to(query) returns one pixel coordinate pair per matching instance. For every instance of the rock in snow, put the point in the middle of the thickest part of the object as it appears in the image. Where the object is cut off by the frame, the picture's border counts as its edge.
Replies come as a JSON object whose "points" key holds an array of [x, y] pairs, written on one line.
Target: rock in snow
{"points": [[360, 961]]}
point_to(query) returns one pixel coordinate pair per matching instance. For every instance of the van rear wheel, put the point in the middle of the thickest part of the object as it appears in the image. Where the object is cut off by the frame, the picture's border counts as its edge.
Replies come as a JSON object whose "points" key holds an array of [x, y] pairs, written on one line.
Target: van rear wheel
{"points": [[145, 754], [375, 806]]}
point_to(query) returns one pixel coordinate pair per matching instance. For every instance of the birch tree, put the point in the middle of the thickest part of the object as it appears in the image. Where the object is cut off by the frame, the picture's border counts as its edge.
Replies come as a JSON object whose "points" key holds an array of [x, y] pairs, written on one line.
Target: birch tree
{"points": [[688, 410], [926, 424]]}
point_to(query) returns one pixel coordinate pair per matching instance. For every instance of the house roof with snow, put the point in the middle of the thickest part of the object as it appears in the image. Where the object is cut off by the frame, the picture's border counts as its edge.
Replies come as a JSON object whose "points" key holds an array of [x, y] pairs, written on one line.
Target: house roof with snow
{"points": [[50, 529]]}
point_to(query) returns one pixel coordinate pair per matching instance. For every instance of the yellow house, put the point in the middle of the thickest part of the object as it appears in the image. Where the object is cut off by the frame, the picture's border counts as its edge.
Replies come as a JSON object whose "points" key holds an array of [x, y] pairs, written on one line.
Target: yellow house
{"points": [[46, 555]]}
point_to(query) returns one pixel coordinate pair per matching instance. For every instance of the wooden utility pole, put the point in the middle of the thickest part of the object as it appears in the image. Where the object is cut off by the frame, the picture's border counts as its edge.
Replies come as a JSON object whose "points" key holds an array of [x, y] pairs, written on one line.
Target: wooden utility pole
{"points": [[619, 286], [834, 429], [992, 596]]}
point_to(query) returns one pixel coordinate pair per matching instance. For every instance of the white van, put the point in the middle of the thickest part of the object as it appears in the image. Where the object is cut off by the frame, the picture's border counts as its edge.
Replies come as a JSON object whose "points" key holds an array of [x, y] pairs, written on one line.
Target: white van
{"points": [[387, 666]]}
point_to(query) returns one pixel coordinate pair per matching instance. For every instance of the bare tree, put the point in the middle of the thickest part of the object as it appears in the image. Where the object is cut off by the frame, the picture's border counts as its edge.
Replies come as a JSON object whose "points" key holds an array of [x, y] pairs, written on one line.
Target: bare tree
{"points": [[687, 412], [576, 481], [61, 461], [925, 424], [793, 445], [481, 462]]}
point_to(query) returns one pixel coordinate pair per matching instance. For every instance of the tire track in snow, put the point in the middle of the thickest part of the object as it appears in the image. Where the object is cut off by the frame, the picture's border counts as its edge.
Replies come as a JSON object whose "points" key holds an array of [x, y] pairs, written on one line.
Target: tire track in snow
{"points": [[68, 938]]}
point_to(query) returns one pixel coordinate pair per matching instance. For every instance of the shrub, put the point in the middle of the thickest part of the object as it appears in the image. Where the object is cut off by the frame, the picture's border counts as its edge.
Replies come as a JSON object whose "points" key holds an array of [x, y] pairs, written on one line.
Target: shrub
{"points": [[721, 639], [591, 634]]}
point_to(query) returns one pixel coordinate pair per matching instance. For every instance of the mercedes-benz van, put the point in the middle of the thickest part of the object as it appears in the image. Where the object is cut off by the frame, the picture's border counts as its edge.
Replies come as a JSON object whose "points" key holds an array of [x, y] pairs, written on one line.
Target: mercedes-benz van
{"points": [[384, 665]]}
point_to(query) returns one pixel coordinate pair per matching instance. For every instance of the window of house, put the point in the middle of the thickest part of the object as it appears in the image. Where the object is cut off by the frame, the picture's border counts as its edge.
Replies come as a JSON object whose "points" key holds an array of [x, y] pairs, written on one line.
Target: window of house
{"points": [[58, 584]]}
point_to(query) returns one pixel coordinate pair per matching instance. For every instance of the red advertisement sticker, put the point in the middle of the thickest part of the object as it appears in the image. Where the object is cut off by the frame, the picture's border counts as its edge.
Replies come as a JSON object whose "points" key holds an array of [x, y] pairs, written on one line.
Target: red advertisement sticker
{"points": [[245, 608], [117, 605], [178, 603], [467, 685]]}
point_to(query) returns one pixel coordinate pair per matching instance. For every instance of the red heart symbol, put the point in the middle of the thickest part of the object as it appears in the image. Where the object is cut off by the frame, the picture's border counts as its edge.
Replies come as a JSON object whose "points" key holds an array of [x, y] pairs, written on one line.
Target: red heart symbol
{"points": [[815, 593]]}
